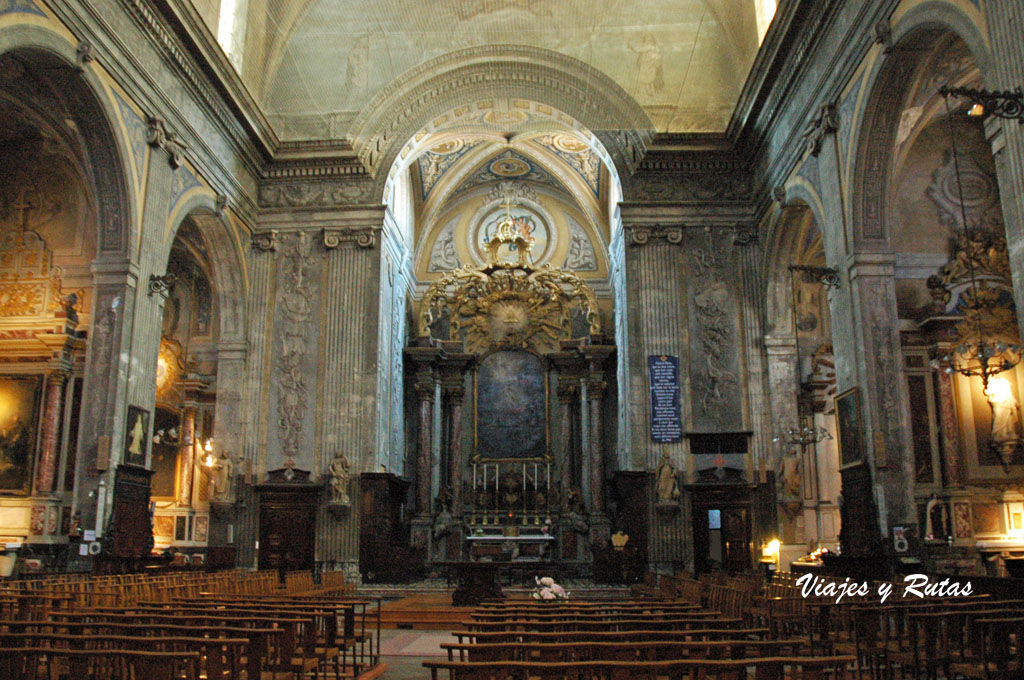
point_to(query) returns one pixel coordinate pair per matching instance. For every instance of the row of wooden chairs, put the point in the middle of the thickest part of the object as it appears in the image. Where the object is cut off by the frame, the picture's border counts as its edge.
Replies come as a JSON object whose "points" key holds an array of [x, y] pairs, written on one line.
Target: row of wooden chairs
{"points": [[761, 668], [298, 631]]}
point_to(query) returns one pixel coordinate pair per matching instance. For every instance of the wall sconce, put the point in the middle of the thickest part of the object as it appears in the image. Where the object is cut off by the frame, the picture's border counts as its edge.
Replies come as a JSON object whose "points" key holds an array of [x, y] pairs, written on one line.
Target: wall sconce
{"points": [[771, 549], [209, 460]]}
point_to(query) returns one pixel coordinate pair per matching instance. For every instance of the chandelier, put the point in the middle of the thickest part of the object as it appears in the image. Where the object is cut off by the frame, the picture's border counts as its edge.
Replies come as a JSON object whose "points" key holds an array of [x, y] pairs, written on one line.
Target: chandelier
{"points": [[978, 352], [807, 435]]}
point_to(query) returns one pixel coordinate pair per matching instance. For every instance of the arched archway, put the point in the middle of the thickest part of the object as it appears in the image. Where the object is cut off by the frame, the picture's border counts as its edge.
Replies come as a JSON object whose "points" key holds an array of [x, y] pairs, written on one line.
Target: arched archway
{"points": [[68, 180]]}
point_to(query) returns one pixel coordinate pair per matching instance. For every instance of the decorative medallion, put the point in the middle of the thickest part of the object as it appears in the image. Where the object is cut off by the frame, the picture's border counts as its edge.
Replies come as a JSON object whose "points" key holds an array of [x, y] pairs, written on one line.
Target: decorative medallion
{"points": [[509, 167]]}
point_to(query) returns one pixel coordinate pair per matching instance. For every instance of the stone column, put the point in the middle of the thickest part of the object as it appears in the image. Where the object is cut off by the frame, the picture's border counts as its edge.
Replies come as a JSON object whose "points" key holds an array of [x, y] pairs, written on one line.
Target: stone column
{"points": [[105, 382], [868, 354], [656, 296], [1005, 24], [757, 403], [51, 427]]}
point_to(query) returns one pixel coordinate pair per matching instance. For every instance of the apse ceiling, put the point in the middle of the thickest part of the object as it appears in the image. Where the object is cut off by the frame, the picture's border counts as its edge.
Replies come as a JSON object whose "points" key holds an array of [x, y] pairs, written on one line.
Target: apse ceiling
{"points": [[316, 65]]}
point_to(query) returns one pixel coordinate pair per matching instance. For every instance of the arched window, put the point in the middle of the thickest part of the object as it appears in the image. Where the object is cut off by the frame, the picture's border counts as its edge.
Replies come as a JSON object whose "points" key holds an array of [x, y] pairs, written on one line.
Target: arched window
{"points": [[765, 10], [231, 30]]}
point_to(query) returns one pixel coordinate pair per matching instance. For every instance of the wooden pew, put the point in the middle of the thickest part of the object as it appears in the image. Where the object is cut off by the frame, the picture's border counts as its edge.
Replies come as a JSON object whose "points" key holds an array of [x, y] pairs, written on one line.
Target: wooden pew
{"points": [[572, 637], [622, 651], [765, 668]]}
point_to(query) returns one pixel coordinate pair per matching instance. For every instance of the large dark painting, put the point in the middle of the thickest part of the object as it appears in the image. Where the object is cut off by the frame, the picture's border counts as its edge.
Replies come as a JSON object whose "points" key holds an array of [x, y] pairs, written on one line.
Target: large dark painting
{"points": [[511, 418], [851, 446], [19, 403], [165, 457]]}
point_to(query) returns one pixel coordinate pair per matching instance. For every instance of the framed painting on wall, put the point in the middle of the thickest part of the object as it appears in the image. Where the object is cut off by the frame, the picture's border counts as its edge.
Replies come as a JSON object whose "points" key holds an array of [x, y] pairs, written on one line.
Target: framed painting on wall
{"points": [[19, 408], [848, 422], [135, 434]]}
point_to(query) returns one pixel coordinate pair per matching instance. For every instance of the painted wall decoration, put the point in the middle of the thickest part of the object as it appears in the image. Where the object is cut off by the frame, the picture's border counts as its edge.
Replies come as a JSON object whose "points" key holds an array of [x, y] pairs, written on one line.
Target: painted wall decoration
{"points": [[19, 406], [848, 422], [511, 406], [135, 435]]}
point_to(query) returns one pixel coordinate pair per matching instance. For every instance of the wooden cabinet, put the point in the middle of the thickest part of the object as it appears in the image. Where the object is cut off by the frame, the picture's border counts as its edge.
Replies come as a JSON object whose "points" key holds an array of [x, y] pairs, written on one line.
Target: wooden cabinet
{"points": [[384, 551], [287, 526]]}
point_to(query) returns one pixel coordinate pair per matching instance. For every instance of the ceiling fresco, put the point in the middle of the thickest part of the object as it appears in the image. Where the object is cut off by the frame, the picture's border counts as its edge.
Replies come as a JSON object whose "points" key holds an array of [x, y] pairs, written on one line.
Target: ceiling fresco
{"points": [[318, 63]]}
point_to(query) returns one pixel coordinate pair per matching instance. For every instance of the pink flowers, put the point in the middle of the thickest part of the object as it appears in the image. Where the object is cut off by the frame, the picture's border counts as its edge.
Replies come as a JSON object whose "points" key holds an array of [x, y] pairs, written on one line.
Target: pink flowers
{"points": [[547, 589]]}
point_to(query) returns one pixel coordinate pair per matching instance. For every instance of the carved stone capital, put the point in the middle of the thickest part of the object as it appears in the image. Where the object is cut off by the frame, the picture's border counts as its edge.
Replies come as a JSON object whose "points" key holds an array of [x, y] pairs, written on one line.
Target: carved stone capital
{"points": [[363, 237], [158, 136], [744, 235], [265, 242], [423, 383], [567, 390], [161, 285], [85, 54], [779, 195], [642, 235], [58, 376], [596, 385], [824, 124]]}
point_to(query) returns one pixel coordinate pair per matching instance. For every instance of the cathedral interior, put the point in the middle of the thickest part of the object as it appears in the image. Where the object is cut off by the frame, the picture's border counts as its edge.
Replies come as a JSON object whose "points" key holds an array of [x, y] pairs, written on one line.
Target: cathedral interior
{"points": [[619, 287]]}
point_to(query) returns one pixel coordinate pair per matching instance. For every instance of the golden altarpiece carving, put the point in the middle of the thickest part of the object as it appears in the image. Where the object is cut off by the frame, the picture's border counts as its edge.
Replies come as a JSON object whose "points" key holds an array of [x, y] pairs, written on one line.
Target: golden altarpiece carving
{"points": [[511, 372]]}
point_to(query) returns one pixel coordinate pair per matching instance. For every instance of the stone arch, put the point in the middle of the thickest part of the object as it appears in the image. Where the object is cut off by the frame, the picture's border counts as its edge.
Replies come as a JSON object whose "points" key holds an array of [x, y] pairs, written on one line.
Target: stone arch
{"points": [[876, 133], [400, 110], [93, 112], [780, 253], [227, 260]]}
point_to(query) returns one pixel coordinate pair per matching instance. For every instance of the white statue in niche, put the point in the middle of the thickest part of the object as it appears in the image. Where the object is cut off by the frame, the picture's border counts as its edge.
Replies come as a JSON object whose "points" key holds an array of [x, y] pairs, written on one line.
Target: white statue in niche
{"points": [[1005, 418], [666, 486], [223, 474], [340, 474]]}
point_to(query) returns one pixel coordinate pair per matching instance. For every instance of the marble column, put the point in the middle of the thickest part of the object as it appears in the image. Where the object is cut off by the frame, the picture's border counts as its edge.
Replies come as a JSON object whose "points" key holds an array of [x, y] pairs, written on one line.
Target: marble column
{"points": [[1005, 25], [949, 426], [454, 393], [424, 387], [568, 395], [186, 454], [51, 428]]}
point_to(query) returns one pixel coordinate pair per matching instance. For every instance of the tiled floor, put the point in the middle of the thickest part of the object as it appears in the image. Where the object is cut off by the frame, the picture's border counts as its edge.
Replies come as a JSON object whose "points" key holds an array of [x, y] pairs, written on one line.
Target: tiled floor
{"points": [[403, 651]]}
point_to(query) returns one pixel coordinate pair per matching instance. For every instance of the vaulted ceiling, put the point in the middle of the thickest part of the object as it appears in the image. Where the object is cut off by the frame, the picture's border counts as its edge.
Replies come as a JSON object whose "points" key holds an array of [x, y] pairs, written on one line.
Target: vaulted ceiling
{"points": [[316, 65]]}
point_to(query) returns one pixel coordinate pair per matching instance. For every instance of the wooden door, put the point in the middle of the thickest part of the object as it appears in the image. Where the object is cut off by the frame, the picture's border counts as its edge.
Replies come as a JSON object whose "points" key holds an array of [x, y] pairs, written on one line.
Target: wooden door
{"points": [[736, 538], [287, 529]]}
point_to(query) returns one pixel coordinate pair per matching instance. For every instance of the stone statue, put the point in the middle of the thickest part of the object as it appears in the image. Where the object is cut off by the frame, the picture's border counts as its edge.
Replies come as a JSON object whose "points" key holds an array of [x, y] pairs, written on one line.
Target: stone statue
{"points": [[1005, 419], [577, 518], [666, 486], [340, 475], [223, 475]]}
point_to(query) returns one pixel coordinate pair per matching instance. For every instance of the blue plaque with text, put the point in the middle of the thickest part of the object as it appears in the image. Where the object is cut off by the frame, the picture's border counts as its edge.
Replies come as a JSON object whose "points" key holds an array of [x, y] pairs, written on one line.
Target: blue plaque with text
{"points": [[666, 425]]}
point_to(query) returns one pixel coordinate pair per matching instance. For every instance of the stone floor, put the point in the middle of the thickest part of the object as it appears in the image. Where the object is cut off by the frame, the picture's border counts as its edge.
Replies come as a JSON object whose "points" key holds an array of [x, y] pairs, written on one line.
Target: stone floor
{"points": [[403, 651]]}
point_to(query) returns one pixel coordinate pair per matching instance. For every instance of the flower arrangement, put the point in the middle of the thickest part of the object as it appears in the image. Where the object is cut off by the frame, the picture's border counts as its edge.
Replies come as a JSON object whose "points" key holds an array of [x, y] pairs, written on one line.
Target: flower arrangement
{"points": [[547, 589]]}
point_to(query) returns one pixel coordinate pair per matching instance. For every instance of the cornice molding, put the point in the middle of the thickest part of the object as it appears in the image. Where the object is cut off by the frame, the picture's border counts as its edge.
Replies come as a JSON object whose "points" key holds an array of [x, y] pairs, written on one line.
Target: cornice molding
{"points": [[107, 48]]}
